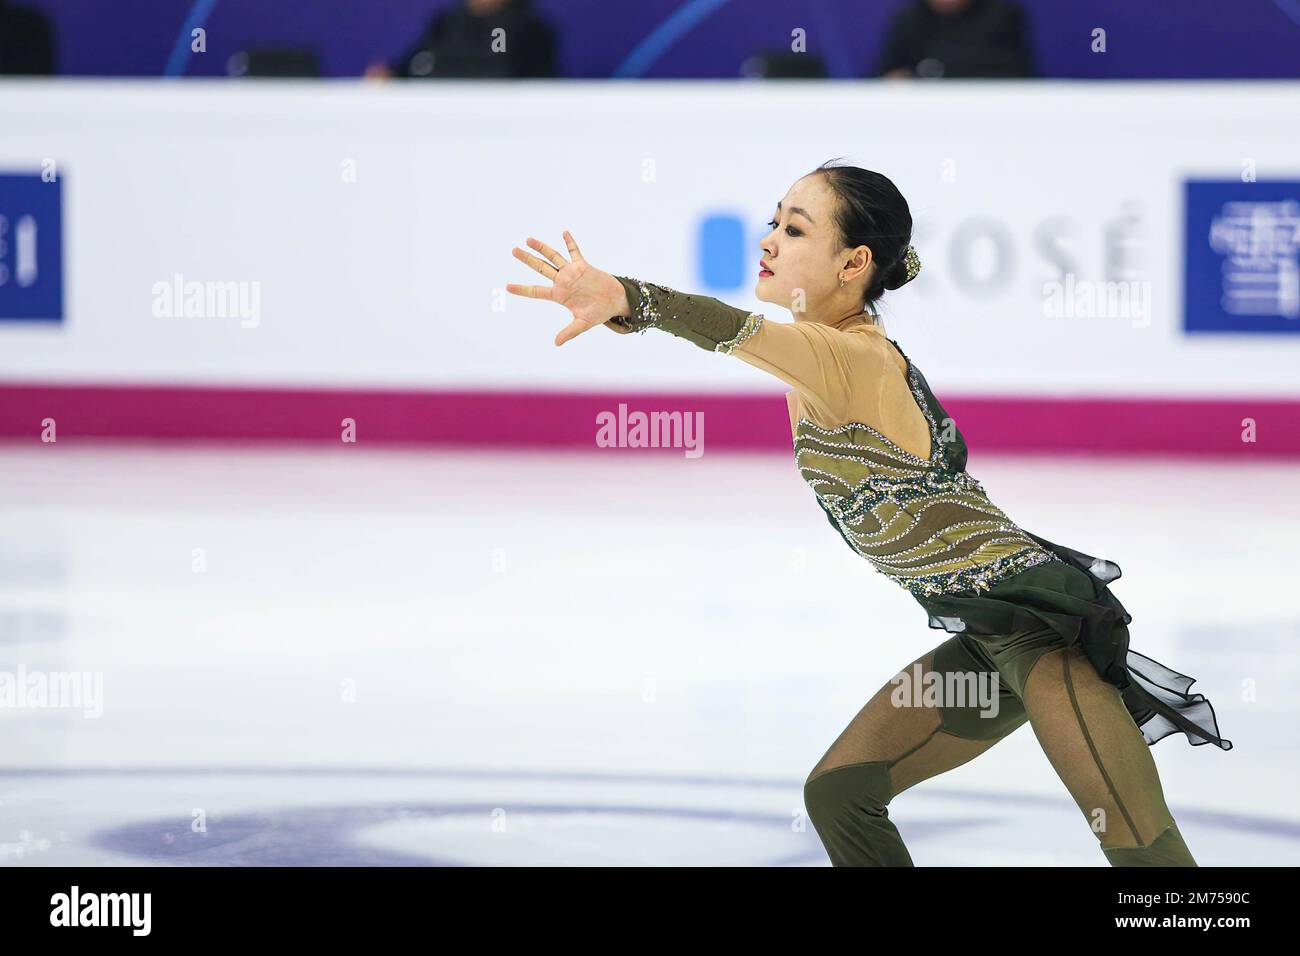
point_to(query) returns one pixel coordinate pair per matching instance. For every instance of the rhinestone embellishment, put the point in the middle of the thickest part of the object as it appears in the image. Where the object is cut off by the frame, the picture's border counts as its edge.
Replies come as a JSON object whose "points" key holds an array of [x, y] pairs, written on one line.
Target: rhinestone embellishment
{"points": [[752, 325], [881, 496]]}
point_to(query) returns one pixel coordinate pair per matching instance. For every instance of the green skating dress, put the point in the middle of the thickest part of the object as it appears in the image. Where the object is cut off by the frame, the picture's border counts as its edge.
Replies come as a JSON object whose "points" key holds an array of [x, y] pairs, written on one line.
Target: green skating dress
{"points": [[909, 506]]}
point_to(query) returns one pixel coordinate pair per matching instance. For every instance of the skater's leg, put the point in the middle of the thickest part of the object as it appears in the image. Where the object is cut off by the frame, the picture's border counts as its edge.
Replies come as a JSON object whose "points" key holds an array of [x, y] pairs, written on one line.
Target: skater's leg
{"points": [[896, 741], [1103, 759]]}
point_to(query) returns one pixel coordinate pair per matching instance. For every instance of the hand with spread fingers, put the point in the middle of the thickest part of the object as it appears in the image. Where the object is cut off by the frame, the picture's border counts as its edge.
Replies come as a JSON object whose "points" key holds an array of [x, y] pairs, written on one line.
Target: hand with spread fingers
{"points": [[594, 297]]}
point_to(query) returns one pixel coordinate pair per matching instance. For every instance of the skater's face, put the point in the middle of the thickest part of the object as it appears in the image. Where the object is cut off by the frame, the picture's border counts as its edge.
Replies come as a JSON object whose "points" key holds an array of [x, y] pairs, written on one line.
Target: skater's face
{"points": [[802, 257]]}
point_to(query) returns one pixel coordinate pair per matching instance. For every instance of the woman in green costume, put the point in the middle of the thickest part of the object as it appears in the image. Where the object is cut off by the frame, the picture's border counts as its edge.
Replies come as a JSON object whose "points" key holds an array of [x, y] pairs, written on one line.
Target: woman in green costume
{"points": [[1034, 620]]}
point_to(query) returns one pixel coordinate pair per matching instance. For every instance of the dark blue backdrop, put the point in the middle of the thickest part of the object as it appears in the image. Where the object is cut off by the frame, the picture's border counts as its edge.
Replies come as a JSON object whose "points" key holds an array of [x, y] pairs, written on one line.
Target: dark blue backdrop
{"points": [[1146, 38]]}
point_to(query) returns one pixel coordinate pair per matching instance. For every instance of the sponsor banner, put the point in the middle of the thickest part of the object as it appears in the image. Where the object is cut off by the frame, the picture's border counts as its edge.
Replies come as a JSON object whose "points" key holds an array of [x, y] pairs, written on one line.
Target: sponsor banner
{"points": [[1243, 256], [1075, 240], [31, 246]]}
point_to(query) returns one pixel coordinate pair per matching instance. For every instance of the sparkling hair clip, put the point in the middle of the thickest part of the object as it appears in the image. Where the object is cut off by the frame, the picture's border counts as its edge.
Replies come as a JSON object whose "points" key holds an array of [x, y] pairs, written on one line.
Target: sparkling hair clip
{"points": [[913, 263]]}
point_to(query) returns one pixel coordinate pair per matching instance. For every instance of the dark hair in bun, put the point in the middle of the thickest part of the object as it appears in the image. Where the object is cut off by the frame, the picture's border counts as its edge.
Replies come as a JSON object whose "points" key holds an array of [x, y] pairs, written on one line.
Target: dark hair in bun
{"points": [[897, 275], [871, 212]]}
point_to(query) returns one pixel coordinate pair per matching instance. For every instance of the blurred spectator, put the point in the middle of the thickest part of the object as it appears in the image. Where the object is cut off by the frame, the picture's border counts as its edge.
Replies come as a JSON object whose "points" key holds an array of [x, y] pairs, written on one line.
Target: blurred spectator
{"points": [[26, 41], [460, 42], [780, 64], [274, 61], [957, 38]]}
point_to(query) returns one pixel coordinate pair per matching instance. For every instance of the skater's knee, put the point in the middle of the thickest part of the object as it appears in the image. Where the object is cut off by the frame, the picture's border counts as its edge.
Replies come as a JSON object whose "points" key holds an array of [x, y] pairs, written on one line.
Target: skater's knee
{"points": [[858, 786]]}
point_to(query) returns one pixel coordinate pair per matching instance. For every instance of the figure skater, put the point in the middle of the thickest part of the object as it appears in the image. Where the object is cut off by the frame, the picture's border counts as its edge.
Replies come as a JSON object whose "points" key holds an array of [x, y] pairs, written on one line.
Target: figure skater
{"points": [[887, 466]]}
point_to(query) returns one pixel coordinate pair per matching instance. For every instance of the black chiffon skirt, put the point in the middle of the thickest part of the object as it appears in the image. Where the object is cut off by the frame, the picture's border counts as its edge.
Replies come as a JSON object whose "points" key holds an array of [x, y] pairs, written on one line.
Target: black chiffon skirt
{"points": [[1072, 598]]}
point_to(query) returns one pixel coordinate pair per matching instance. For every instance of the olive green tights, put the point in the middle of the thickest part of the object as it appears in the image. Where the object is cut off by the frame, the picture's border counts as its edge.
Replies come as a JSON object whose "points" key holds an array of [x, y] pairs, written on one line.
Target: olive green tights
{"points": [[980, 690]]}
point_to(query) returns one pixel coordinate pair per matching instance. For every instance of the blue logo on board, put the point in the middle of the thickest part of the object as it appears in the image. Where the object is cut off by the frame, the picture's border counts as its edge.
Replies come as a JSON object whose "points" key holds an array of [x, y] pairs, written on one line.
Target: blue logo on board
{"points": [[727, 258], [31, 248], [1242, 257]]}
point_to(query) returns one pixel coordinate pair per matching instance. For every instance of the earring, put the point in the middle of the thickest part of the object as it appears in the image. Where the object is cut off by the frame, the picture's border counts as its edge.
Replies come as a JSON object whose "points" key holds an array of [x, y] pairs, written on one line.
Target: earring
{"points": [[841, 280]]}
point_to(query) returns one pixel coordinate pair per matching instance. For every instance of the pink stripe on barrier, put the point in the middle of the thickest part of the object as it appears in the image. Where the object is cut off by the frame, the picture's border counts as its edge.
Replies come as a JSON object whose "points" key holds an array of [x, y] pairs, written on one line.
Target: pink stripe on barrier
{"points": [[566, 420]]}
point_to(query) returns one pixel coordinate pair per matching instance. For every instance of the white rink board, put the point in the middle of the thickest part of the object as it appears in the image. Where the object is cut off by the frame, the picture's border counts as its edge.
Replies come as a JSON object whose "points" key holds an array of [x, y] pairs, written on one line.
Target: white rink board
{"points": [[397, 279]]}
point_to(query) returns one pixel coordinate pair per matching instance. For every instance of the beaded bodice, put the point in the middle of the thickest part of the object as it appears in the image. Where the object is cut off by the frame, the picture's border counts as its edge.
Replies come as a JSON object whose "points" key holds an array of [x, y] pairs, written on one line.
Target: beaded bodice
{"points": [[924, 523]]}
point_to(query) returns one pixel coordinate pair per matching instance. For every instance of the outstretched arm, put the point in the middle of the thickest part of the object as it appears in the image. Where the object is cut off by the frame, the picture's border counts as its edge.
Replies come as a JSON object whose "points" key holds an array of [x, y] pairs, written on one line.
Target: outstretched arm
{"points": [[819, 362], [705, 321]]}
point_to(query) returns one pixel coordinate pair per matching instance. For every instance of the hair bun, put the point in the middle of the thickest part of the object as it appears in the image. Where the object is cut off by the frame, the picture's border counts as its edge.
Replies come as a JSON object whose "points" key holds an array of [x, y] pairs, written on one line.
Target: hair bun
{"points": [[896, 277]]}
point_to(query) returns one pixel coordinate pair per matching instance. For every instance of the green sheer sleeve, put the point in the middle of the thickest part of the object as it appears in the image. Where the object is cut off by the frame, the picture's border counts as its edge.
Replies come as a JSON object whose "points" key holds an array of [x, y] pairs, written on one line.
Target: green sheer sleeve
{"points": [[705, 321]]}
